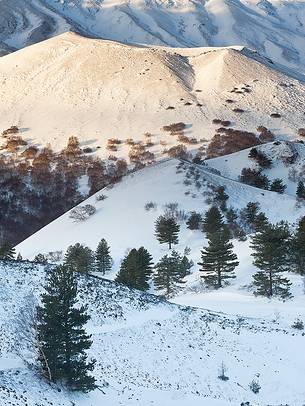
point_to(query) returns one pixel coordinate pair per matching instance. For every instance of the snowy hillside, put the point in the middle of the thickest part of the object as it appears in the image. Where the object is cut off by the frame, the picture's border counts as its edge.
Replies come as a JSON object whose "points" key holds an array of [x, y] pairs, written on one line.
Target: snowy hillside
{"points": [[287, 163], [125, 223], [122, 219], [274, 28], [96, 90], [151, 352]]}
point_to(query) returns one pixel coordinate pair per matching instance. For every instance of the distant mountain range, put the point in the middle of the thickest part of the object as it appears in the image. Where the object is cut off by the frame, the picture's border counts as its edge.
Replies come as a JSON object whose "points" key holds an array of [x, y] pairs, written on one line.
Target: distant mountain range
{"points": [[274, 28]]}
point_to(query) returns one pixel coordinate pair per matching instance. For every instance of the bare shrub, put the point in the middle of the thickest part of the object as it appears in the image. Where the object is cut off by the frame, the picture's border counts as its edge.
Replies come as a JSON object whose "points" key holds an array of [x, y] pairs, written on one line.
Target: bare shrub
{"points": [[298, 324], [87, 150], [222, 372], [187, 140], [12, 130], [175, 127], [139, 155], [255, 386], [54, 256], [82, 213], [231, 141], [130, 141], [301, 132], [177, 151], [100, 197], [238, 110], [30, 152], [150, 206], [216, 121]]}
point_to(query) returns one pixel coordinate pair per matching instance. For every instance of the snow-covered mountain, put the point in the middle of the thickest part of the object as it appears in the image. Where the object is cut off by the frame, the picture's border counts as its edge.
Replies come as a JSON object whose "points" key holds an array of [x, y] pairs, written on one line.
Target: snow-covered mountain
{"points": [[151, 352], [96, 90], [274, 28]]}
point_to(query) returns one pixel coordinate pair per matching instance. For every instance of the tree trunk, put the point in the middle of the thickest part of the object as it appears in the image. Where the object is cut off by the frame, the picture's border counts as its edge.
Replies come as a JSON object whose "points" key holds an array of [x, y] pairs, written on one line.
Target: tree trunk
{"points": [[219, 278], [270, 284]]}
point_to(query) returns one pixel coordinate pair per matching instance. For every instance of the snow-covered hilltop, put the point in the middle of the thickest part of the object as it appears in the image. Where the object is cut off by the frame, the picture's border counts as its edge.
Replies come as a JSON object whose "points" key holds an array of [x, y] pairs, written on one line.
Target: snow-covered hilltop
{"points": [[96, 90], [274, 28]]}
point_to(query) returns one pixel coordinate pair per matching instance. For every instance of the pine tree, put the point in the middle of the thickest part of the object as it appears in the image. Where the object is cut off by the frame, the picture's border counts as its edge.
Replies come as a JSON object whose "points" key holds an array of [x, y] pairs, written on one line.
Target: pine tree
{"points": [[300, 190], [194, 221], [212, 221], [218, 260], [271, 247], [79, 258], [278, 186], [40, 258], [167, 230], [167, 277], [145, 268], [221, 198], [7, 251], [185, 266], [260, 221], [298, 248], [136, 269], [103, 260], [62, 340]]}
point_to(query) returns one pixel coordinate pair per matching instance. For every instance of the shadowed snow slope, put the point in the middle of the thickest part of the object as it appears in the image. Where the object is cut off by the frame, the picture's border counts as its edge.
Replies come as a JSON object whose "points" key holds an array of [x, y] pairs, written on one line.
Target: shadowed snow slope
{"points": [[275, 28], [150, 352], [95, 89]]}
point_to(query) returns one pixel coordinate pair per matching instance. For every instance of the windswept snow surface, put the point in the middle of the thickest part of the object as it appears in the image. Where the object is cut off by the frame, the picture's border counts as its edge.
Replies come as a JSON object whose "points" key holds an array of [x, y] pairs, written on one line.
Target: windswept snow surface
{"points": [[96, 90], [151, 352], [274, 28]]}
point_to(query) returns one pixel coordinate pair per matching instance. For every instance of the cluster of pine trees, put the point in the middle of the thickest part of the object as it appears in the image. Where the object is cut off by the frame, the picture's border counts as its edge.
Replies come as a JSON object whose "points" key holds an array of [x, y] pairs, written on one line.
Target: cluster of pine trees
{"points": [[276, 250]]}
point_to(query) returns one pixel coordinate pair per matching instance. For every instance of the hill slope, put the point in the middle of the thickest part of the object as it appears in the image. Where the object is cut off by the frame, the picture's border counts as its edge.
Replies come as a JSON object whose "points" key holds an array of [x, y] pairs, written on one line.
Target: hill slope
{"points": [[275, 28], [115, 90], [149, 351]]}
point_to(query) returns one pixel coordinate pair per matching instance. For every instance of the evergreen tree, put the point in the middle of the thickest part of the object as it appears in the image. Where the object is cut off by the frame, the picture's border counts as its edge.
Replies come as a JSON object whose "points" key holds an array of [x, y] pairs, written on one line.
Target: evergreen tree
{"points": [[136, 269], [212, 221], [168, 277], [278, 186], [194, 221], [167, 230], [250, 212], [300, 190], [103, 260], [221, 198], [7, 251], [218, 260], [62, 340], [234, 226], [79, 258], [260, 221], [298, 248], [145, 269], [271, 247], [185, 266], [40, 258]]}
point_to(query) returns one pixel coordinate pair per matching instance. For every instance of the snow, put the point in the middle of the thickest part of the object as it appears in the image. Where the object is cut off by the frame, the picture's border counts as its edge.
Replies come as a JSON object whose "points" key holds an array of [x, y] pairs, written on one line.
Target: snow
{"points": [[232, 165], [153, 352], [96, 90], [274, 28], [122, 219]]}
